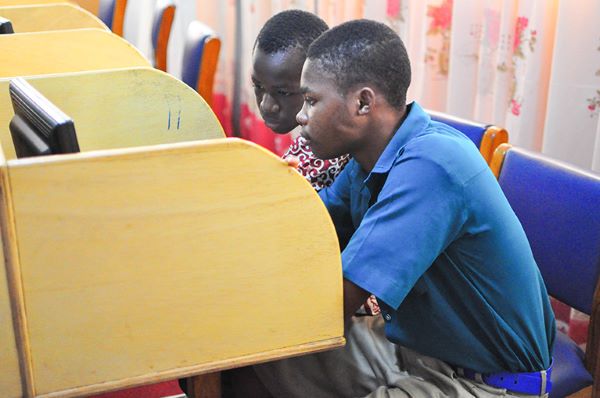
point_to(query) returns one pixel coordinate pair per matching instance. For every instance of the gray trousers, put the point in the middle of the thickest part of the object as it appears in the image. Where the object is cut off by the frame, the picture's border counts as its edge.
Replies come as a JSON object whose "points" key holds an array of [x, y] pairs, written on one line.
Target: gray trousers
{"points": [[369, 366]]}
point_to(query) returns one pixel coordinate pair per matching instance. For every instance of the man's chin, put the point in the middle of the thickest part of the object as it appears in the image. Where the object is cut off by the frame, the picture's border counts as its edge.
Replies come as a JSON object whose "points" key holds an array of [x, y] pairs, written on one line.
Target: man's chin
{"points": [[280, 131], [279, 128]]}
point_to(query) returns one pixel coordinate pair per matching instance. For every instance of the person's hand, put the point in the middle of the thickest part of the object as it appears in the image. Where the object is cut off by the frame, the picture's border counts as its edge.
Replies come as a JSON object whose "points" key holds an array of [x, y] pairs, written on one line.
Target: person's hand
{"points": [[292, 161]]}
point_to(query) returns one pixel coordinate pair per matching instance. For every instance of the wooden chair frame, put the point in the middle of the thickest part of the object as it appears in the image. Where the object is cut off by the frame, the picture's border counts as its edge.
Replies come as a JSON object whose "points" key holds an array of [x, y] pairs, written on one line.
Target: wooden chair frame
{"points": [[164, 33]]}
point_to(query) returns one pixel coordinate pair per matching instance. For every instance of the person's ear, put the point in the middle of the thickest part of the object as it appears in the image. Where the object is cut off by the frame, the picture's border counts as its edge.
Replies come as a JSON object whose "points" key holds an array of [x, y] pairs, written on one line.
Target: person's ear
{"points": [[365, 98]]}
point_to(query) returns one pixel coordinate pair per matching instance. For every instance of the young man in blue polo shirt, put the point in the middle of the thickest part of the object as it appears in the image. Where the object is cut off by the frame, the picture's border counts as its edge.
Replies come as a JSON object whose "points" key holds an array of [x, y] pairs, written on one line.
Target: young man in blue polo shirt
{"points": [[425, 227]]}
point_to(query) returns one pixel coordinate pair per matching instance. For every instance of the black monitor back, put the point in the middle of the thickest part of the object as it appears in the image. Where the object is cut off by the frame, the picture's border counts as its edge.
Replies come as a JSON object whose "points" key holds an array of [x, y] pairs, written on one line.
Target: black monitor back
{"points": [[5, 26], [39, 127]]}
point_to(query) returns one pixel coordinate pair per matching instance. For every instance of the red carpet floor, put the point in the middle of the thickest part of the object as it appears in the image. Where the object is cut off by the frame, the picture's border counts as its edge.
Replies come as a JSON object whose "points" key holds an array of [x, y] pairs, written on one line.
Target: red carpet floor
{"points": [[159, 390]]}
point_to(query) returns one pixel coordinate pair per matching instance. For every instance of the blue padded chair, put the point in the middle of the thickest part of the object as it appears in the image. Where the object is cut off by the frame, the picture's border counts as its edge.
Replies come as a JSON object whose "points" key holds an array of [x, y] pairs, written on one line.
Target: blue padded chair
{"points": [[559, 208], [486, 137], [162, 21], [106, 11], [200, 58], [112, 13]]}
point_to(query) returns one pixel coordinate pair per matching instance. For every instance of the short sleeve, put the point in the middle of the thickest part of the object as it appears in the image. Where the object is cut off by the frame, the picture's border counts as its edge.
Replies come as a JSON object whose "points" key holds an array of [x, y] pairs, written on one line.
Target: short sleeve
{"points": [[418, 212], [337, 200]]}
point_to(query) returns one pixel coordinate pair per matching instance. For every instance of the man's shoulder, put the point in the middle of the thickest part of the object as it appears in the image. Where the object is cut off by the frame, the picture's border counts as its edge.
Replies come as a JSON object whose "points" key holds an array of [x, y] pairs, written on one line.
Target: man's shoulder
{"points": [[445, 147], [438, 139]]}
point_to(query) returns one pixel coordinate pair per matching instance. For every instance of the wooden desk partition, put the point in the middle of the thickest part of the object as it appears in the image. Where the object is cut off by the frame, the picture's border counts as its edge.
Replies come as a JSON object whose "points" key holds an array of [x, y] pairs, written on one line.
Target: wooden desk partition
{"points": [[130, 264], [145, 264], [90, 5], [26, 54], [121, 108], [10, 379], [112, 109], [44, 17], [30, 2]]}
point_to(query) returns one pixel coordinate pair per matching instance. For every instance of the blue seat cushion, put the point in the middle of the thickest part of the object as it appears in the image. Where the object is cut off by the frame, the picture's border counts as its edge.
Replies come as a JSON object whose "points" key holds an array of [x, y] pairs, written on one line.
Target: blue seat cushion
{"points": [[569, 374]]}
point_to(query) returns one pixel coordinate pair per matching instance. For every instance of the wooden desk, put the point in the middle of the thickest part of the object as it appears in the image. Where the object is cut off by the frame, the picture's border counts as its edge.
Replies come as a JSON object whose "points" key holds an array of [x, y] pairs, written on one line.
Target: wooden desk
{"points": [[90, 5], [26, 54], [121, 108], [30, 2], [44, 17], [135, 265], [10, 381]]}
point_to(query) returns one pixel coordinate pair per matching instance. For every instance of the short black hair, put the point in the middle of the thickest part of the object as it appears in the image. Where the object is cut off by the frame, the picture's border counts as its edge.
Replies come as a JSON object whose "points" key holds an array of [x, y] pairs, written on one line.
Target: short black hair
{"points": [[364, 51], [290, 29]]}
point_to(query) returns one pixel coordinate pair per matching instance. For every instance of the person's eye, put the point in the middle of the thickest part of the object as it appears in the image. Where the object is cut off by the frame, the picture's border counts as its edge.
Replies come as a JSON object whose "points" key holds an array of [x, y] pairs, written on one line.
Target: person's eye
{"points": [[285, 93], [257, 86], [309, 100]]}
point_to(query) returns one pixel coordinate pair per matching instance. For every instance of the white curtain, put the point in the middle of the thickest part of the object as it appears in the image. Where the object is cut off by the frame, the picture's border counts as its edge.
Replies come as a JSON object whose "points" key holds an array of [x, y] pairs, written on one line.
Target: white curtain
{"points": [[572, 132], [506, 62]]}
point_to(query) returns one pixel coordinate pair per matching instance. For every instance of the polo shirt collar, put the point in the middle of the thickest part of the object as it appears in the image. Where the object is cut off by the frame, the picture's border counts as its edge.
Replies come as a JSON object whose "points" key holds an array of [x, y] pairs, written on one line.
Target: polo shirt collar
{"points": [[414, 123]]}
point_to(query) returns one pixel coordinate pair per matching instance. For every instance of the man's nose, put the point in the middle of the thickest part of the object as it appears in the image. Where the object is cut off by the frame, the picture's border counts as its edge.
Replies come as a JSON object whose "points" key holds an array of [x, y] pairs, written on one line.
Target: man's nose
{"points": [[302, 117], [268, 104]]}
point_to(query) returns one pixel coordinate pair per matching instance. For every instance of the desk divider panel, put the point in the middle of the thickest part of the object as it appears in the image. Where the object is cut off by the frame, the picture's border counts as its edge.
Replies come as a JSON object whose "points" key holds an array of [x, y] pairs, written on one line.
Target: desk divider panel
{"points": [[151, 263], [120, 108], [45, 17], [90, 5], [61, 51], [10, 375], [4, 3]]}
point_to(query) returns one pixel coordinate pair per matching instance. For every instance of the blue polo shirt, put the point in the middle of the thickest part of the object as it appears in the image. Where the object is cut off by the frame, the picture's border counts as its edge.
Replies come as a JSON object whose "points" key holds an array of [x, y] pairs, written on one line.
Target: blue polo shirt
{"points": [[429, 232]]}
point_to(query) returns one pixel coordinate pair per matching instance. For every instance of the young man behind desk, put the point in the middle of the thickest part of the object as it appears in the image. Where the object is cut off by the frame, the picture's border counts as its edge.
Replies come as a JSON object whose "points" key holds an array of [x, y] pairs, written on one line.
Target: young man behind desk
{"points": [[277, 59], [424, 227]]}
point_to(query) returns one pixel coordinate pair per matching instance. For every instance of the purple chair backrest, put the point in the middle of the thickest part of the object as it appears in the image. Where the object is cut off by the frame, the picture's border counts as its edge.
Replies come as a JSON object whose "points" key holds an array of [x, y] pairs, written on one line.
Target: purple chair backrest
{"points": [[559, 208]]}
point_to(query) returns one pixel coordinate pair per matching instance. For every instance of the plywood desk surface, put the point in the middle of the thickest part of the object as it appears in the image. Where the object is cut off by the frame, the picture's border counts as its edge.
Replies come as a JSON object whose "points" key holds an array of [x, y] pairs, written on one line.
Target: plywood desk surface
{"points": [[26, 54], [148, 264], [90, 5], [113, 108], [44, 17], [10, 374], [29, 2], [121, 108]]}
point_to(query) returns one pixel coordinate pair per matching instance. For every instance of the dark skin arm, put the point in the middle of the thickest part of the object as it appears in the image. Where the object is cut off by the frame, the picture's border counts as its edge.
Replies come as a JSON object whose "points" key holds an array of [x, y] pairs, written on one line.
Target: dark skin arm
{"points": [[354, 297]]}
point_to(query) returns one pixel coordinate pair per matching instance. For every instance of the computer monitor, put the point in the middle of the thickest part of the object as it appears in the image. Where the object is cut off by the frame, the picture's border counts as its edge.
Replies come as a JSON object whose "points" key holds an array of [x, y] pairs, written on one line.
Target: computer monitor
{"points": [[5, 26], [38, 127]]}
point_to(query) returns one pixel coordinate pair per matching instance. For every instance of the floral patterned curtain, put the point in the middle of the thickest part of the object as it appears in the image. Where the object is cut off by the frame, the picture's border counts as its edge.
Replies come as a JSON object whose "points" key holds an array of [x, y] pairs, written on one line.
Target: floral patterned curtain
{"points": [[572, 131], [531, 66]]}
